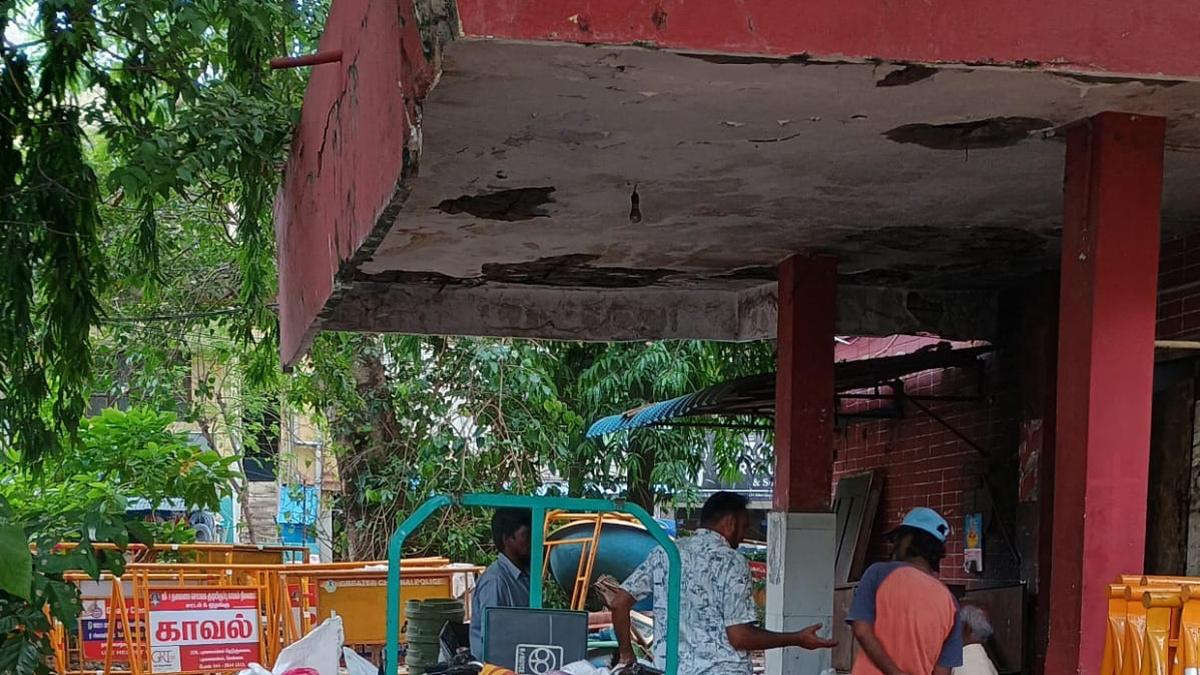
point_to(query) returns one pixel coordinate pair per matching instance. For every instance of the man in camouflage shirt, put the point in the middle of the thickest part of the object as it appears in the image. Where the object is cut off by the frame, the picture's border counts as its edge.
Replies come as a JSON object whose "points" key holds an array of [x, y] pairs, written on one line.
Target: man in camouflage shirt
{"points": [[718, 622]]}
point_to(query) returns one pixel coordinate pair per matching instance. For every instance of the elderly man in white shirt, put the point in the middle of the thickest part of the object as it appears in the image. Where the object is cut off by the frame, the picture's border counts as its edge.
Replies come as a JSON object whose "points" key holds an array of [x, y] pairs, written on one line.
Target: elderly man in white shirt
{"points": [[976, 629]]}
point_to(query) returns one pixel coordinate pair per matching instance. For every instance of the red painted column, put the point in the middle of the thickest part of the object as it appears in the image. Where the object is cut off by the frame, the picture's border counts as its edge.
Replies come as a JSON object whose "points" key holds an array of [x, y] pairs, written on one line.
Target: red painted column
{"points": [[804, 384], [1110, 246]]}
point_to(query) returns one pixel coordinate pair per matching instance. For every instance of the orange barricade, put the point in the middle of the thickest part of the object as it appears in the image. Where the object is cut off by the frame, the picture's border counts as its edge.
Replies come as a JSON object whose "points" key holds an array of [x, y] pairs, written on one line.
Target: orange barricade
{"points": [[1114, 639], [1153, 626], [218, 554], [199, 618]]}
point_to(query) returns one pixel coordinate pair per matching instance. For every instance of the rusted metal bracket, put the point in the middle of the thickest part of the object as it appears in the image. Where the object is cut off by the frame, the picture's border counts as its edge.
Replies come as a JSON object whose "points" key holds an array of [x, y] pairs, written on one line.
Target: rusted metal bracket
{"points": [[331, 56]]}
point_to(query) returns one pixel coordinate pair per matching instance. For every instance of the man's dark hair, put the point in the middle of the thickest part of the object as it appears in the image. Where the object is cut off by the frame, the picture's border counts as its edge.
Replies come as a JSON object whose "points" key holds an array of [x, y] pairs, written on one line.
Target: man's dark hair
{"points": [[921, 544], [722, 504], [506, 522]]}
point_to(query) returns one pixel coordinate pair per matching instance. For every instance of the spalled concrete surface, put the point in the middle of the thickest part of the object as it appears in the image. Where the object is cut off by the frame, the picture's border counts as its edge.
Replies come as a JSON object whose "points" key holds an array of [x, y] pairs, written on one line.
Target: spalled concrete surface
{"points": [[564, 186], [944, 182], [635, 314], [604, 193]]}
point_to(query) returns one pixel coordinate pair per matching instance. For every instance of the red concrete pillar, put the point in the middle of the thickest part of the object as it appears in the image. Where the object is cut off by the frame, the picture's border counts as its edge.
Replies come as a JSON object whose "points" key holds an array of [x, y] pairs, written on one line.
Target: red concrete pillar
{"points": [[1110, 246], [801, 542], [804, 384]]}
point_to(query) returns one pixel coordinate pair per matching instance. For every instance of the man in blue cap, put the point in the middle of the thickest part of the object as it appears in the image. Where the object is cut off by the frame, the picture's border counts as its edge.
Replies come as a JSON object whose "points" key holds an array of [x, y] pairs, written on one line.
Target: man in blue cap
{"points": [[903, 618]]}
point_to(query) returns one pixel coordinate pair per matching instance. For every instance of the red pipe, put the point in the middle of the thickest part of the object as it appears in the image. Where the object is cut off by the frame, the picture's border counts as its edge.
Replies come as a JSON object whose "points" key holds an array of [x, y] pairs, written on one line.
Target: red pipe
{"points": [[306, 60]]}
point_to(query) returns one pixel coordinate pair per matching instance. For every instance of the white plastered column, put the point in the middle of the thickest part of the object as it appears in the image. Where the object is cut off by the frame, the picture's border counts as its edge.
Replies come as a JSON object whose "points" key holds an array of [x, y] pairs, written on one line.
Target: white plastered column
{"points": [[801, 549]]}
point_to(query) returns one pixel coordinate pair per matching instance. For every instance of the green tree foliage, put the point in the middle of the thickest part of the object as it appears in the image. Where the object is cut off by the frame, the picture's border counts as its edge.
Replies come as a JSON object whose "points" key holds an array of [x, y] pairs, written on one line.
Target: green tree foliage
{"points": [[181, 95], [623, 376], [140, 144], [81, 498], [417, 416], [122, 127]]}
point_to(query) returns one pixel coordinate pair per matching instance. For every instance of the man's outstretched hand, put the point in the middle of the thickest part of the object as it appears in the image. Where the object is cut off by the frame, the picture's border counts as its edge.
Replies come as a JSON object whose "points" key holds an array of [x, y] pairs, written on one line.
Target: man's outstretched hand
{"points": [[748, 637], [808, 638]]}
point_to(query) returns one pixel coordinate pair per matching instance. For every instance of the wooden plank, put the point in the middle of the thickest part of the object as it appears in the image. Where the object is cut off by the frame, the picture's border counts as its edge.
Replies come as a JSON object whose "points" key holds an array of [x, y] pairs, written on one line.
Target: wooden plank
{"points": [[843, 654], [850, 506], [858, 564]]}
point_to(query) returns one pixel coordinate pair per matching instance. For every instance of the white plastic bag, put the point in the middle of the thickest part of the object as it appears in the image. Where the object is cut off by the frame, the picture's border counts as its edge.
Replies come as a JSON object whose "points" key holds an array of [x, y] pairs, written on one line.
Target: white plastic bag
{"points": [[357, 665], [317, 653]]}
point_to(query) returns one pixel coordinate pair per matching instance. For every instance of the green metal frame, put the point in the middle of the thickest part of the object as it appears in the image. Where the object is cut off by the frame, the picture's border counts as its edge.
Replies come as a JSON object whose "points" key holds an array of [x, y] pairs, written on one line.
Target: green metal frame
{"points": [[538, 507]]}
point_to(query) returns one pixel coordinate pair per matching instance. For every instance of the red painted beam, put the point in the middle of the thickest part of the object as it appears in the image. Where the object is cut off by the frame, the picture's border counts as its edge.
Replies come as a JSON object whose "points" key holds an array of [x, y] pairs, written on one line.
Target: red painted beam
{"points": [[804, 390], [348, 154], [1121, 36], [1112, 195]]}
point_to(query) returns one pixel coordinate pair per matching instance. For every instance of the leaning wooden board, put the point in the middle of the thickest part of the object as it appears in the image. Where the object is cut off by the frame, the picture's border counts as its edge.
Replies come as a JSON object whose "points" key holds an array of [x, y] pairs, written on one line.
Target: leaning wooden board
{"points": [[854, 505]]}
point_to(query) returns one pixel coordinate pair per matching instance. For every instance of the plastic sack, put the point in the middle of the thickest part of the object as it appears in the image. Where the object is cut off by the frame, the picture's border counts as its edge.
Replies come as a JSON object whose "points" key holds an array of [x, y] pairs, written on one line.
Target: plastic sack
{"points": [[317, 653], [357, 665]]}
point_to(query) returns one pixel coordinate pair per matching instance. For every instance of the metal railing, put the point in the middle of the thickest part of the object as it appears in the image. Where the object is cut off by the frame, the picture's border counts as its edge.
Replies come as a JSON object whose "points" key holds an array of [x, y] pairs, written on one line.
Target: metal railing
{"points": [[538, 507]]}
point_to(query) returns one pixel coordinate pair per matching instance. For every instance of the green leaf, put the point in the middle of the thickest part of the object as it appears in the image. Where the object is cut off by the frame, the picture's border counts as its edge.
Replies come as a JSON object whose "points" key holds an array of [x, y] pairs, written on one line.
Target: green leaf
{"points": [[64, 601], [29, 659], [139, 532], [16, 563], [89, 563]]}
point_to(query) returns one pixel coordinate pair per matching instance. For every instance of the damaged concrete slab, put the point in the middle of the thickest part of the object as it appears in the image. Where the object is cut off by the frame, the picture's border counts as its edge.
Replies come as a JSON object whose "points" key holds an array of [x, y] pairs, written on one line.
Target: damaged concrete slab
{"points": [[670, 312], [603, 181]]}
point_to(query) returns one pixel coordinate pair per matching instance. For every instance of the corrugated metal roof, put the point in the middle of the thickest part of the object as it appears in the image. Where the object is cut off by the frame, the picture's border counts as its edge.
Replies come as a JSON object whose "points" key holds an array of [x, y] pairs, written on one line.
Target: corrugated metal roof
{"points": [[740, 396], [755, 395], [644, 416]]}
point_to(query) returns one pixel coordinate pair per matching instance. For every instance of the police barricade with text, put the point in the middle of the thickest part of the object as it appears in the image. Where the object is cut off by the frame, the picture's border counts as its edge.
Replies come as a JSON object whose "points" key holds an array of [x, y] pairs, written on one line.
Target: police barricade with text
{"points": [[190, 617], [111, 633]]}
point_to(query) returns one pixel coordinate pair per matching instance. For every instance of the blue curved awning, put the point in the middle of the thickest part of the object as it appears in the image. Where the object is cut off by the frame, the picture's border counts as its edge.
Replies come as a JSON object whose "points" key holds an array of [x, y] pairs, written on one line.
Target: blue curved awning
{"points": [[727, 394], [640, 417], [754, 396]]}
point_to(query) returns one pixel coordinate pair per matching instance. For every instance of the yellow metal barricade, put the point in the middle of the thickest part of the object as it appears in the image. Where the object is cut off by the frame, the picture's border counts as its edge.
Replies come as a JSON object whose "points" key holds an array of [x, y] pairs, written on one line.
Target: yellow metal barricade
{"points": [[1114, 639], [1162, 611], [1188, 650], [1135, 631], [1153, 626], [356, 594]]}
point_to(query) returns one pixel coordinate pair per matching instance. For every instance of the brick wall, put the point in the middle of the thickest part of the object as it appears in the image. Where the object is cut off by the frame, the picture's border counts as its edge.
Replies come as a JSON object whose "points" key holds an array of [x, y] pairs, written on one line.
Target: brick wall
{"points": [[1179, 289], [923, 463]]}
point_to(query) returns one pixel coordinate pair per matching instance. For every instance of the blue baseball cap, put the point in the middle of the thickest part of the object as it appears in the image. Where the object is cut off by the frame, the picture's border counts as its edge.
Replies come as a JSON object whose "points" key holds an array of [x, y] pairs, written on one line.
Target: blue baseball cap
{"points": [[926, 520]]}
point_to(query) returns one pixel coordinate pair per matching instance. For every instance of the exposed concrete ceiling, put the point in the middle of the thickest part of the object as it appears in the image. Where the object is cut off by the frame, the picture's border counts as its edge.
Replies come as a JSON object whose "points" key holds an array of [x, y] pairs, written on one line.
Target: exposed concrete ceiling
{"points": [[933, 187]]}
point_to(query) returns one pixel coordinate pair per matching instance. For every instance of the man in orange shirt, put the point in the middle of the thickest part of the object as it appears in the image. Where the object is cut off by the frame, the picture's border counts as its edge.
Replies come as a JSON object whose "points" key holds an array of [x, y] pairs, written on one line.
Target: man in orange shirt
{"points": [[904, 619]]}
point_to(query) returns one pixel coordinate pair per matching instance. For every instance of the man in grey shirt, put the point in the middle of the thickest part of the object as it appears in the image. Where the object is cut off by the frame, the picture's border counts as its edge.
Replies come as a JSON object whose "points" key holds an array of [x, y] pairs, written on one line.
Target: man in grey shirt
{"points": [[505, 583]]}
